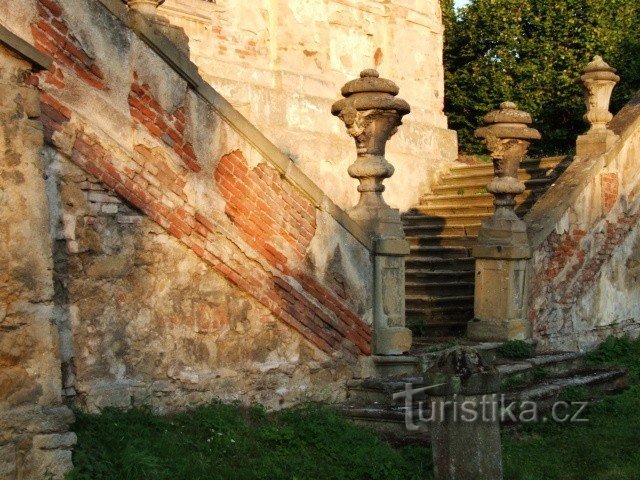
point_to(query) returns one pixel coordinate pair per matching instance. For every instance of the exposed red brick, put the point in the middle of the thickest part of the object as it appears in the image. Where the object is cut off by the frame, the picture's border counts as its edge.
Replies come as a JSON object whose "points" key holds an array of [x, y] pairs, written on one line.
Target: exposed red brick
{"points": [[53, 36], [147, 111]]}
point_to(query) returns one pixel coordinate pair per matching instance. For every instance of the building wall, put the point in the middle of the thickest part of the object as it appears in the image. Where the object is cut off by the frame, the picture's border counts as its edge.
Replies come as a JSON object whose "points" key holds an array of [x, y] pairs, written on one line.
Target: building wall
{"points": [[584, 277], [189, 264], [282, 64], [34, 437]]}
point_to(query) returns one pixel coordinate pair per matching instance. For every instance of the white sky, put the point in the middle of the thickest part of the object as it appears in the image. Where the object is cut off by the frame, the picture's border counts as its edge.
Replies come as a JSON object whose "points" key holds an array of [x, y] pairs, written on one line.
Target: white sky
{"points": [[461, 3]]}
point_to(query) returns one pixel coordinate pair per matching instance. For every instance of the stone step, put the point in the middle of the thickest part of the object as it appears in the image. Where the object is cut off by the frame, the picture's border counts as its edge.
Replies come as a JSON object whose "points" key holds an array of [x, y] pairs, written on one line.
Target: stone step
{"points": [[445, 226], [438, 251], [438, 321], [526, 165], [479, 200], [388, 423], [596, 381], [373, 406], [540, 366], [434, 276], [443, 288], [412, 230], [487, 174], [413, 218], [431, 301], [473, 186], [431, 263], [467, 241], [444, 211]]}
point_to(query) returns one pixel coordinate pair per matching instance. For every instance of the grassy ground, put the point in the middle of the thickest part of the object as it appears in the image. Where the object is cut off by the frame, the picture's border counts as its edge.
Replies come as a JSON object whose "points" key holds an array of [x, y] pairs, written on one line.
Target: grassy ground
{"points": [[228, 442]]}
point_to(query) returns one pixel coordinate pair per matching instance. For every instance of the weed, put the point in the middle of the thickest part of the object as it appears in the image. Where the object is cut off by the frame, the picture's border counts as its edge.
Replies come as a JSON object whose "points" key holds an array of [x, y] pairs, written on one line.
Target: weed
{"points": [[515, 349]]}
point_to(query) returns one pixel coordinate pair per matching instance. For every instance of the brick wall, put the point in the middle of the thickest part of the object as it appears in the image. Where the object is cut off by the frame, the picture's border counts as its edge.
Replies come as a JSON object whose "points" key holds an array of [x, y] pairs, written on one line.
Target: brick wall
{"points": [[150, 171]]}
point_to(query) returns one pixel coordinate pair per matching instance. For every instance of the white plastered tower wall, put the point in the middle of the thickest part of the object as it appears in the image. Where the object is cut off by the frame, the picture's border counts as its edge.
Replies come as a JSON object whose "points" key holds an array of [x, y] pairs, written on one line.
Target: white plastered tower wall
{"points": [[282, 62]]}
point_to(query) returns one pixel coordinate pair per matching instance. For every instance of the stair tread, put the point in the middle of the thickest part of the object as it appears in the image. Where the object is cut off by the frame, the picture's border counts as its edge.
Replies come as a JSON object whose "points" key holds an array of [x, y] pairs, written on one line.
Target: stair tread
{"points": [[529, 162], [438, 284], [579, 378]]}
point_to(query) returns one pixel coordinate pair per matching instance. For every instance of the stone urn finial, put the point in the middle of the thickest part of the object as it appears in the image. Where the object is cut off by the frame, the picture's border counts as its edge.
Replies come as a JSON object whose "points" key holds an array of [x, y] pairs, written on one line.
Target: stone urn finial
{"points": [[145, 7], [372, 113], [508, 137], [598, 79]]}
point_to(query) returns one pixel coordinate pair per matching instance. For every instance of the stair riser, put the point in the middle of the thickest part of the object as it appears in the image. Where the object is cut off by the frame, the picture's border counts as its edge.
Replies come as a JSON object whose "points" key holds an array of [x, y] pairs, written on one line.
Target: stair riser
{"points": [[418, 230], [418, 251], [427, 277], [463, 201], [431, 241], [439, 222], [481, 188], [416, 263], [457, 210], [456, 178], [435, 317], [546, 164], [438, 301], [443, 290]]}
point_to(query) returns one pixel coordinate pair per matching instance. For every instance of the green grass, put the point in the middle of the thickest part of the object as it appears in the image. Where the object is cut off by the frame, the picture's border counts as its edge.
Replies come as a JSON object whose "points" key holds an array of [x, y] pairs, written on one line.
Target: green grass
{"points": [[513, 382], [621, 352], [605, 448], [514, 349], [229, 442]]}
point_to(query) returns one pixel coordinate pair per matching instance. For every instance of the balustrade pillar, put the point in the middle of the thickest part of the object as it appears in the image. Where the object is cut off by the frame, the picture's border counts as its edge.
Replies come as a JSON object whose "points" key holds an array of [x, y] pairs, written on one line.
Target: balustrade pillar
{"points": [[503, 246], [372, 114]]}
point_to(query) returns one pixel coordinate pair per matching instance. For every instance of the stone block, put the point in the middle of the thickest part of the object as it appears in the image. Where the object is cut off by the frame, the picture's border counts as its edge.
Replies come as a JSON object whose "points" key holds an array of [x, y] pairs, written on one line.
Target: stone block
{"points": [[392, 340]]}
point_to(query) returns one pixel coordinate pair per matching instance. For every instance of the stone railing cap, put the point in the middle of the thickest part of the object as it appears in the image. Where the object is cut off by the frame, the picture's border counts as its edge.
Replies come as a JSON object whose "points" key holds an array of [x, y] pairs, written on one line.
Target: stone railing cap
{"points": [[598, 69], [508, 122], [370, 92], [370, 82]]}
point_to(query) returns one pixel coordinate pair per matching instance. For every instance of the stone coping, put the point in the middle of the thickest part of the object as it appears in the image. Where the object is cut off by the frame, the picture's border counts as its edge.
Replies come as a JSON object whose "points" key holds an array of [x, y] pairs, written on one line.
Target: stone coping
{"points": [[182, 65], [24, 49], [549, 209]]}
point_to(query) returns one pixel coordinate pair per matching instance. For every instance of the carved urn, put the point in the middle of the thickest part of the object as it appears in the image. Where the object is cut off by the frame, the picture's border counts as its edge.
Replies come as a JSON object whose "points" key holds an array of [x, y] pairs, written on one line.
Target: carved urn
{"points": [[598, 79], [372, 113], [508, 137]]}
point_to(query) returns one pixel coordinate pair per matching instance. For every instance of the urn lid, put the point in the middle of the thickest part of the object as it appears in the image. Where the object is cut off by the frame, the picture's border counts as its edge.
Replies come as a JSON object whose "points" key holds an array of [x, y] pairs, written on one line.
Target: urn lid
{"points": [[508, 122], [598, 69], [370, 92]]}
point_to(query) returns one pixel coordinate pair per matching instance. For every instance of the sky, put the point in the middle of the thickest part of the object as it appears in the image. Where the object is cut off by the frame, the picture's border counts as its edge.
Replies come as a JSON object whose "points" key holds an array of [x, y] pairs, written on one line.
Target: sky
{"points": [[461, 3]]}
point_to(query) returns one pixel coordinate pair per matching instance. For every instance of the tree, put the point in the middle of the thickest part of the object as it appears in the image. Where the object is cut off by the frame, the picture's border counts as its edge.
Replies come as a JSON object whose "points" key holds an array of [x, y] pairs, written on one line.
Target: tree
{"points": [[532, 52]]}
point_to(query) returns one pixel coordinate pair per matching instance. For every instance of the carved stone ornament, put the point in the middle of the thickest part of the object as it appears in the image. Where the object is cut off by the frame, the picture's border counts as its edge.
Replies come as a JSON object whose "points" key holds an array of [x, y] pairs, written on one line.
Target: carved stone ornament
{"points": [[598, 79], [146, 7], [508, 137], [372, 114]]}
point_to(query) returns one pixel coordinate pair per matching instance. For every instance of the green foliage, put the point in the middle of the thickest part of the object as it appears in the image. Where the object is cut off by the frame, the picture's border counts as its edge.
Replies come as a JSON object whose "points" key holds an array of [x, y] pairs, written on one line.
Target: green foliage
{"points": [[515, 349], [540, 373], [229, 442], [531, 52], [513, 382], [623, 352]]}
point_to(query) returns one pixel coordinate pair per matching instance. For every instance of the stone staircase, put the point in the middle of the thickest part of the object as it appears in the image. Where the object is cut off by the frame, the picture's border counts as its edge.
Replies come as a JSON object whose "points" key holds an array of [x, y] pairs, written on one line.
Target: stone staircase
{"points": [[443, 228], [541, 378]]}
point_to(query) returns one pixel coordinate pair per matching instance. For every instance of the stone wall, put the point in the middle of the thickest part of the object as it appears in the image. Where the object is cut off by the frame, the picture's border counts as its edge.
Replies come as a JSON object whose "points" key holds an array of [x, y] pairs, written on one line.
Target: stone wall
{"points": [[282, 63], [585, 270], [34, 437], [192, 259]]}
